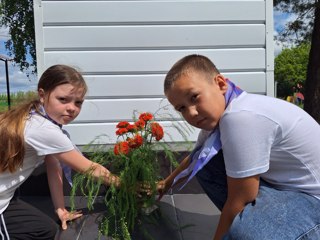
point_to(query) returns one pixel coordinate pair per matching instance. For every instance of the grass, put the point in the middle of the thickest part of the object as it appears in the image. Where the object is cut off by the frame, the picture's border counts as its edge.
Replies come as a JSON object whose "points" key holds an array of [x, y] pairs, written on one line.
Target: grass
{"points": [[15, 98]]}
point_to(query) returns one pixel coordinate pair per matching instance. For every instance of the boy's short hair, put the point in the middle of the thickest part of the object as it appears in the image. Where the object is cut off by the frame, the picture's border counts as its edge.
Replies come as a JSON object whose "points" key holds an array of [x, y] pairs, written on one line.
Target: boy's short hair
{"points": [[188, 64]]}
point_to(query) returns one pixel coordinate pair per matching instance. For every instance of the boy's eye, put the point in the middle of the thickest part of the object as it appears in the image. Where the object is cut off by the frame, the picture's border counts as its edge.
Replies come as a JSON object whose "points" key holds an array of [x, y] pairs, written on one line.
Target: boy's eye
{"points": [[194, 98], [181, 109]]}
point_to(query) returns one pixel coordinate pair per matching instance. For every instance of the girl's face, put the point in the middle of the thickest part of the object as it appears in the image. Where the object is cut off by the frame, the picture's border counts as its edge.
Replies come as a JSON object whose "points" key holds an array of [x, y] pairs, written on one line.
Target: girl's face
{"points": [[63, 104], [201, 102]]}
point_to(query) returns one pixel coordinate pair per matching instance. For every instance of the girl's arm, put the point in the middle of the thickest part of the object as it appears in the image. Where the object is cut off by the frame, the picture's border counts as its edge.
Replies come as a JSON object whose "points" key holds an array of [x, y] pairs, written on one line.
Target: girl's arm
{"points": [[241, 191], [55, 181], [81, 164]]}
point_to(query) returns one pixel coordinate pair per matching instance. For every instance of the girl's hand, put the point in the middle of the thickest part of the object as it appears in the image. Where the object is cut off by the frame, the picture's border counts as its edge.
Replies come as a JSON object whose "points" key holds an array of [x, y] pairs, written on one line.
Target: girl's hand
{"points": [[65, 216]]}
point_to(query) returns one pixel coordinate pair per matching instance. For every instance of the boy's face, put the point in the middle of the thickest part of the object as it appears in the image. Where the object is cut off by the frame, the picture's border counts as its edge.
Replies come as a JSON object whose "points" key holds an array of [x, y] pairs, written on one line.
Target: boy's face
{"points": [[201, 102], [63, 104]]}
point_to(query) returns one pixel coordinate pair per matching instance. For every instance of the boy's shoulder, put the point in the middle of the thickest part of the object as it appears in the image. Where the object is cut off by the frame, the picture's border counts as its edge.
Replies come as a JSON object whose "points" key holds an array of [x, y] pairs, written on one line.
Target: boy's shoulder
{"points": [[256, 106], [258, 101]]}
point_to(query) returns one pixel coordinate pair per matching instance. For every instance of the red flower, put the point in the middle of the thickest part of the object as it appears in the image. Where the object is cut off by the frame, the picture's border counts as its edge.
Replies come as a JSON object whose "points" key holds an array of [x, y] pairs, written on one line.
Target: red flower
{"points": [[138, 140], [146, 116], [131, 142], [140, 124], [135, 142], [121, 131], [123, 124], [132, 128], [157, 131], [121, 148]]}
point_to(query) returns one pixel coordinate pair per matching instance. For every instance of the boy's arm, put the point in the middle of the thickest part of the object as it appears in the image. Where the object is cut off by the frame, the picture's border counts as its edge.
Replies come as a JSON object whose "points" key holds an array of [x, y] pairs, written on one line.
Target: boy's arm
{"points": [[241, 191], [55, 181], [164, 185]]}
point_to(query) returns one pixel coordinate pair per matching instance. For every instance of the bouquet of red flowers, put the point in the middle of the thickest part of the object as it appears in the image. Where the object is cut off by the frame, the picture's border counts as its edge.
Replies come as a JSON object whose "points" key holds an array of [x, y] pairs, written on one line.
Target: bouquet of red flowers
{"points": [[138, 135]]}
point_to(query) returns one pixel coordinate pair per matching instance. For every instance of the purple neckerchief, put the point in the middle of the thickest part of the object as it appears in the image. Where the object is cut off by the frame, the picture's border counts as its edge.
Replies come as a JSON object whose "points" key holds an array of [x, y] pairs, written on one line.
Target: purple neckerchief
{"points": [[202, 154], [66, 169]]}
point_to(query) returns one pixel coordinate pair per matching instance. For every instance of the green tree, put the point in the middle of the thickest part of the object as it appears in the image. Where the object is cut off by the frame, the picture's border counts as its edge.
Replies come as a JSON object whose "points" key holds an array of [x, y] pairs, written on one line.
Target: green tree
{"points": [[18, 17], [306, 27], [291, 68]]}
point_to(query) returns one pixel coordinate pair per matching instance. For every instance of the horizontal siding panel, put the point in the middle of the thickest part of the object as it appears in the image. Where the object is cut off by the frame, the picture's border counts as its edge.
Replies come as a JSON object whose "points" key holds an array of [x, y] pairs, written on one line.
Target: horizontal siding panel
{"points": [[135, 62], [104, 133], [151, 11], [142, 86], [137, 37], [254, 82], [101, 110], [125, 86]]}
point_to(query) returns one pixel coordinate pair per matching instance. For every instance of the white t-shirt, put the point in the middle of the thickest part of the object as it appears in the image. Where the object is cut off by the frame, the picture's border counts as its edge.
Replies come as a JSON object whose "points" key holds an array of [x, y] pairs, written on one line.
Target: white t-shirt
{"points": [[273, 138], [42, 138]]}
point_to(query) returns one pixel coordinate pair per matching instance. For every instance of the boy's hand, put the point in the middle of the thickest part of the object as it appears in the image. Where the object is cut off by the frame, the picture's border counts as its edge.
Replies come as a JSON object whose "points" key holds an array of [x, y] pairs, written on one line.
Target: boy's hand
{"points": [[162, 188], [65, 216]]}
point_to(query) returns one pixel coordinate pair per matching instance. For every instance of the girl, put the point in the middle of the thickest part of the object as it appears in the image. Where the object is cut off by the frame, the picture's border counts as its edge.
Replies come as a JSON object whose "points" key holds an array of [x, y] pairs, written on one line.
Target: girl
{"points": [[31, 134]]}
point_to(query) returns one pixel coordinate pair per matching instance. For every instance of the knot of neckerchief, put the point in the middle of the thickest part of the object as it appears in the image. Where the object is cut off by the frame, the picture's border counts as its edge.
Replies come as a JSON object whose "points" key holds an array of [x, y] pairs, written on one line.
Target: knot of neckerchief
{"points": [[41, 111], [202, 154]]}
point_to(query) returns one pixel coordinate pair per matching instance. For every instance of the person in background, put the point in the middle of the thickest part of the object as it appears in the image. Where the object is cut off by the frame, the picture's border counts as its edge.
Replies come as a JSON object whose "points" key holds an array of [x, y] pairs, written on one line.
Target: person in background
{"points": [[31, 134], [256, 157]]}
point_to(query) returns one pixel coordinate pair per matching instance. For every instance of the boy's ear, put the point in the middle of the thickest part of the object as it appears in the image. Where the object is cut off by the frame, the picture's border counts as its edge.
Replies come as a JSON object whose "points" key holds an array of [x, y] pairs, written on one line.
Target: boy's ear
{"points": [[41, 95], [221, 81]]}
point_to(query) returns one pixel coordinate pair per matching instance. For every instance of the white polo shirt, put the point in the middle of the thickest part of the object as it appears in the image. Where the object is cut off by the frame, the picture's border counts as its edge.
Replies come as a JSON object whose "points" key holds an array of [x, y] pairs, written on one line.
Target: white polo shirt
{"points": [[42, 138]]}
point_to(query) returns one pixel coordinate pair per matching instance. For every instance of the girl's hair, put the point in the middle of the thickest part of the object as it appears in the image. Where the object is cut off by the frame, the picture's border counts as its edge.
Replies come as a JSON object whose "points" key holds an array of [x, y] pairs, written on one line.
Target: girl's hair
{"points": [[190, 63], [12, 122]]}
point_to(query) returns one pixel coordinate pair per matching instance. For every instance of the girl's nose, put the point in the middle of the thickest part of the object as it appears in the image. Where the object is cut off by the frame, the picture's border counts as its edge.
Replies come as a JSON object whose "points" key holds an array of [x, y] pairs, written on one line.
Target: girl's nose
{"points": [[71, 107]]}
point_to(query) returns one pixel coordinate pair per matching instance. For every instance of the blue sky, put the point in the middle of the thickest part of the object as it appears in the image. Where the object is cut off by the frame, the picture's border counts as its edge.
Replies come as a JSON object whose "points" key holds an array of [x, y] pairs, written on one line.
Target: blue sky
{"points": [[20, 82]]}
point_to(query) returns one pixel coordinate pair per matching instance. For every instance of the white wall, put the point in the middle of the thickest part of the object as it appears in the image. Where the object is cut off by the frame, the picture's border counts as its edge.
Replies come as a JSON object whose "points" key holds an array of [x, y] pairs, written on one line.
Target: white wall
{"points": [[125, 48]]}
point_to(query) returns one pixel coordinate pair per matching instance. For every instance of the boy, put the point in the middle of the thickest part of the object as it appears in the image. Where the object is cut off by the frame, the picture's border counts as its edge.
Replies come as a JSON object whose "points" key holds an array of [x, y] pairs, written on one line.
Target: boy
{"points": [[256, 157]]}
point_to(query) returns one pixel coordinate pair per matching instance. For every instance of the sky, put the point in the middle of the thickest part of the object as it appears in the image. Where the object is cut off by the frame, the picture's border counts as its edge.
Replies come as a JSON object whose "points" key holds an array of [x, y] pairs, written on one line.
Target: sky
{"points": [[20, 82]]}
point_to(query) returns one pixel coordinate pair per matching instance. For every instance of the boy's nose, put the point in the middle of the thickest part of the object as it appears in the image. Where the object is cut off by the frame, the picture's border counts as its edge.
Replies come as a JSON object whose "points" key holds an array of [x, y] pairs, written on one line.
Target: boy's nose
{"points": [[193, 111]]}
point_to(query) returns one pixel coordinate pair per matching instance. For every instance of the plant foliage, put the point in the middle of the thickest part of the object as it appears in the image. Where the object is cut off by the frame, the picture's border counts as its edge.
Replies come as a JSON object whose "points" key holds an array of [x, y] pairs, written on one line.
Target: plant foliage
{"points": [[305, 28], [299, 29], [18, 17], [291, 68]]}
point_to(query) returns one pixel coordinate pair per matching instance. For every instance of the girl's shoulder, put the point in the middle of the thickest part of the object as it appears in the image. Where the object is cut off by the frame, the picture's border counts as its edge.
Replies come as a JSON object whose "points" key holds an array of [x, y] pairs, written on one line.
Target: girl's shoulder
{"points": [[46, 137], [36, 120]]}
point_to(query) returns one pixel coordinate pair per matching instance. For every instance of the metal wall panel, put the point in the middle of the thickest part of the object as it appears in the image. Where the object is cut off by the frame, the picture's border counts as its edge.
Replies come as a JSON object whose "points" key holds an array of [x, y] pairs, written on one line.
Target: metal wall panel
{"points": [[125, 48], [152, 61], [133, 86], [153, 37], [148, 12]]}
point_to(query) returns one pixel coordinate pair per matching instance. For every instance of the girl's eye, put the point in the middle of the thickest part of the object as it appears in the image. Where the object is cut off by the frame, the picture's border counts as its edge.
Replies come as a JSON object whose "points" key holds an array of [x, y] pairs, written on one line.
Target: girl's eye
{"points": [[79, 103], [62, 99]]}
